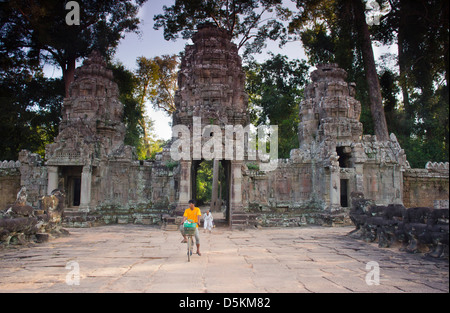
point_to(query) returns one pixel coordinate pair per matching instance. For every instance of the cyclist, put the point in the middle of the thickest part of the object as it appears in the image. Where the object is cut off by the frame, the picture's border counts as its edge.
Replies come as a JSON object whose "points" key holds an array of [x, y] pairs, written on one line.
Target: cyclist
{"points": [[192, 213]]}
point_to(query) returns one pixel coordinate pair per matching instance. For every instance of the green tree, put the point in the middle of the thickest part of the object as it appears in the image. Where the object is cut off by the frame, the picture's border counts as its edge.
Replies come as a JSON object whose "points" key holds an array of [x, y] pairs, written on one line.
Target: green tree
{"points": [[373, 83], [204, 182], [158, 81], [336, 31], [275, 89], [30, 107], [140, 128], [132, 111], [249, 22], [38, 30], [421, 31]]}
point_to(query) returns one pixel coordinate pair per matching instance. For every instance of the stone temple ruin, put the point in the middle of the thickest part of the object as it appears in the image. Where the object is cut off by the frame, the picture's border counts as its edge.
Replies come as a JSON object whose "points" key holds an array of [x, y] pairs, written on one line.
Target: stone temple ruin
{"points": [[334, 165]]}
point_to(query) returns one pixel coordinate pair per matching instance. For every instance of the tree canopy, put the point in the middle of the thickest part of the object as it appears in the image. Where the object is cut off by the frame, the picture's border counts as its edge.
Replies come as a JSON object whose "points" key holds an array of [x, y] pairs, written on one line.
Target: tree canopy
{"points": [[38, 31], [34, 33], [275, 89], [158, 81], [249, 22]]}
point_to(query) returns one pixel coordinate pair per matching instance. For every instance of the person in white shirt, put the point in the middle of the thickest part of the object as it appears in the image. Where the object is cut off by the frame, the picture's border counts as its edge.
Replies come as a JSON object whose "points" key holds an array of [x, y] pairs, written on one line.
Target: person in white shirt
{"points": [[208, 221]]}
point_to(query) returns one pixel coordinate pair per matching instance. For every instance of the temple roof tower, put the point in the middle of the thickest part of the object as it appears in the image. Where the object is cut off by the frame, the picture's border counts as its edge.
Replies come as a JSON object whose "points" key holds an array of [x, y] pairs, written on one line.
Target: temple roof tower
{"points": [[91, 127], [211, 80], [329, 110]]}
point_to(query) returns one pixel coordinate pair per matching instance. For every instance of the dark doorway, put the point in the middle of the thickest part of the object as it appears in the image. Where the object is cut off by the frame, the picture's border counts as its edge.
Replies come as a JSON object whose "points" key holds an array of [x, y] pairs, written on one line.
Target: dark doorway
{"points": [[344, 154], [71, 177], [202, 180], [344, 193], [76, 191]]}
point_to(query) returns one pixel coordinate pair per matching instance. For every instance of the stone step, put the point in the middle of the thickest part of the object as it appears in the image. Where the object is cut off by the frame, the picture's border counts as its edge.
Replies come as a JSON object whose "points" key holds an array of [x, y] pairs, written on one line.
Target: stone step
{"points": [[74, 213], [74, 218], [242, 220], [221, 222]]}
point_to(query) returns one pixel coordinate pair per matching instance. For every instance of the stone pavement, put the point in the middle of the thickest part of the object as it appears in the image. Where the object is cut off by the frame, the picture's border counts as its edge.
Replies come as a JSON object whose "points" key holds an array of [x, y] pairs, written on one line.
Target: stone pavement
{"points": [[134, 258]]}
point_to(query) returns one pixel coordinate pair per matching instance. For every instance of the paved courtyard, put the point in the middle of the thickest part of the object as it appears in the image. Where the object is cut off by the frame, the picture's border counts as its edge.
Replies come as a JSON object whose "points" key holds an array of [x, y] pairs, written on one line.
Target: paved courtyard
{"points": [[132, 258]]}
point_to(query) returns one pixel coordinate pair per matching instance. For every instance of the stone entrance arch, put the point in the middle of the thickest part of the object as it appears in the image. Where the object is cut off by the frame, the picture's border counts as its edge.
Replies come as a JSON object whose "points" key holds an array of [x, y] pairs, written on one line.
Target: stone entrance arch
{"points": [[221, 193], [233, 177], [211, 90]]}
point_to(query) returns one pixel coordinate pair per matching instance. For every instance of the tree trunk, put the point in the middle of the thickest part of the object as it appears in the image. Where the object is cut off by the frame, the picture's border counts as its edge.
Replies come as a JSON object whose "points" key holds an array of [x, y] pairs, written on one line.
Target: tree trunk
{"points": [[376, 104], [68, 70], [446, 32], [143, 123], [402, 29]]}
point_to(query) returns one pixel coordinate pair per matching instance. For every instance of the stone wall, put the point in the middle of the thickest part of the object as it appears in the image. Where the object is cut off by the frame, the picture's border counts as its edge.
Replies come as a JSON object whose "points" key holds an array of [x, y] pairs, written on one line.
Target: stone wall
{"points": [[9, 182], [422, 187], [126, 195], [33, 175]]}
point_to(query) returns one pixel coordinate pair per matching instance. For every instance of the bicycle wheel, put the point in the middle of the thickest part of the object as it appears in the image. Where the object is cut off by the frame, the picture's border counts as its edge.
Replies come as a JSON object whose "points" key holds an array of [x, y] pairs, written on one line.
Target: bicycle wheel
{"points": [[189, 248]]}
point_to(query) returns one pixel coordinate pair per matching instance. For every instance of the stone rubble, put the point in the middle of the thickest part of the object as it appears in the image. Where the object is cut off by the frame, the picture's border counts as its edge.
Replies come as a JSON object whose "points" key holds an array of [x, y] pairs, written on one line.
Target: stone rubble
{"points": [[415, 230], [21, 223]]}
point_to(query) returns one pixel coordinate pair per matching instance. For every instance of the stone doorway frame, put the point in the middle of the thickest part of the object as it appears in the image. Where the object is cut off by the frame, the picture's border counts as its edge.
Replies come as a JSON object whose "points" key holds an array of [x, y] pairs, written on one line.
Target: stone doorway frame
{"points": [[226, 165], [62, 177], [234, 168]]}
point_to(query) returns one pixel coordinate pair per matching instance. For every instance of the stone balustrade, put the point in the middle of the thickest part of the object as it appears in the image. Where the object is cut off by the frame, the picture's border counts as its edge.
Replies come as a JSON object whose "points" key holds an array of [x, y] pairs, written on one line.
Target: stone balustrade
{"points": [[10, 164], [437, 166], [415, 230]]}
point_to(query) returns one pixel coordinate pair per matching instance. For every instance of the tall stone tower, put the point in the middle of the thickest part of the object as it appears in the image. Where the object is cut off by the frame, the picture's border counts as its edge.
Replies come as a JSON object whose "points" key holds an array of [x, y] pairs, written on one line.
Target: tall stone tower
{"points": [[91, 115], [329, 111], [91, 134], [211, 88], [331, 139]]}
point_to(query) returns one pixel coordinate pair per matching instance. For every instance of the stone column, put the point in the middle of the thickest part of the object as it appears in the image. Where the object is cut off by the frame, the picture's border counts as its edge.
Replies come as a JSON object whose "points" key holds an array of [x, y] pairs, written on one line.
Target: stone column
{"points": [[86, 182], [359, 170], [335, 189], [359, 158], [397, 177], [236, 187], [335, 182], [52, 178], [185, 185]]}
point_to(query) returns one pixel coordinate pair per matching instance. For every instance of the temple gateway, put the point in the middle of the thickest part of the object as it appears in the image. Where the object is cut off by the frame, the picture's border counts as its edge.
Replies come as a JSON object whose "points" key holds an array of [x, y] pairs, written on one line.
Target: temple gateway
{"points": [[104, 182]]}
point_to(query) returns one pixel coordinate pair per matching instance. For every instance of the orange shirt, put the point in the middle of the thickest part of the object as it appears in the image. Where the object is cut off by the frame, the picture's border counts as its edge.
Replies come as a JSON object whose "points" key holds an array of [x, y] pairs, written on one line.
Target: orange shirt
{"points": [[193, 214]]}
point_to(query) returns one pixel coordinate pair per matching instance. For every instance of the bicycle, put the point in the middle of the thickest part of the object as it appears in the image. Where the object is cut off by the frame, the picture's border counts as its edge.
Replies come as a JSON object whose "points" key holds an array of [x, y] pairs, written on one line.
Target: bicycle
{"points": [[190, 244], [189, 231]]}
